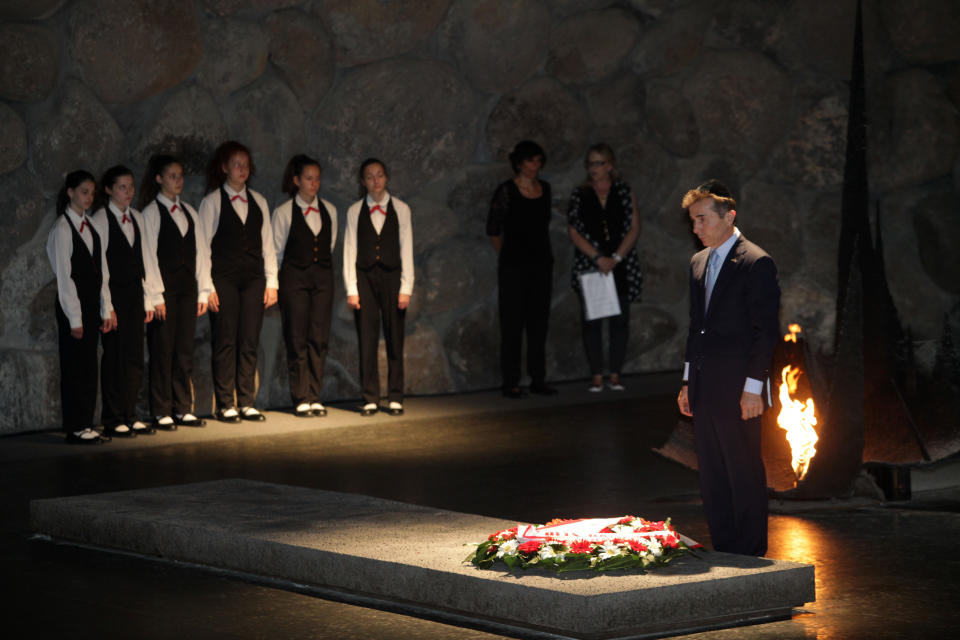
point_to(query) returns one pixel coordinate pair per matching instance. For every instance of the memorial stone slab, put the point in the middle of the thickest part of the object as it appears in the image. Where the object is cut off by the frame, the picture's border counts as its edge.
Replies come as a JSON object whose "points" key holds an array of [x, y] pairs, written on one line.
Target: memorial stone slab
{"points": [[410, 558]]}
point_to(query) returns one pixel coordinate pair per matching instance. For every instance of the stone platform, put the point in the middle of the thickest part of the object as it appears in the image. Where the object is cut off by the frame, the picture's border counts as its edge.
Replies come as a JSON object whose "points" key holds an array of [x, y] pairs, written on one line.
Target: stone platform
{"points": [[409, 558]]}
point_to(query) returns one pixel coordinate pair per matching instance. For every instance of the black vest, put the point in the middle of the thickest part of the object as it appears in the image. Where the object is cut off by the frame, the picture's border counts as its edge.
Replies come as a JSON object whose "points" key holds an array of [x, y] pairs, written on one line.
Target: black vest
{"points": [[303, 248], [124, 260], [382, 248], [237, 248], [86, 271], [176, 254]]}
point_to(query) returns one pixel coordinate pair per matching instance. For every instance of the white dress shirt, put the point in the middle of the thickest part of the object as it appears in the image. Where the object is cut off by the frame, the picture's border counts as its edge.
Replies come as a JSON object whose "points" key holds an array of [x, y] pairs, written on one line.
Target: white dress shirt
{"points": [[151, 235], [210, 220], [152, 282], [60, 249], [378, 218], [282, 218]]}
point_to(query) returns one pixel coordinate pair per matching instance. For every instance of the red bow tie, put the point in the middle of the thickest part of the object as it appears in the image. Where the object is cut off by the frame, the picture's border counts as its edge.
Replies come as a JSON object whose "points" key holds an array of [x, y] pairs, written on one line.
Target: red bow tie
{"points": [[377, 208], [83, 225], [125, 219], [238, 197], [307, 211], [173, 208]]}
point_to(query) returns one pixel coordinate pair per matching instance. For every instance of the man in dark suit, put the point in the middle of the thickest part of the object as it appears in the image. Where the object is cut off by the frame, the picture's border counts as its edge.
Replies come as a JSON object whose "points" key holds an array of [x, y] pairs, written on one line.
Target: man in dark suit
{"points": [[734, 300]]}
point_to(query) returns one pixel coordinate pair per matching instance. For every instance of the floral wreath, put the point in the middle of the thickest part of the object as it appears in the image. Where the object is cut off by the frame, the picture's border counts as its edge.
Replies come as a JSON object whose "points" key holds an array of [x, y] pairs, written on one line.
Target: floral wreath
{"points": [[596, 544]]}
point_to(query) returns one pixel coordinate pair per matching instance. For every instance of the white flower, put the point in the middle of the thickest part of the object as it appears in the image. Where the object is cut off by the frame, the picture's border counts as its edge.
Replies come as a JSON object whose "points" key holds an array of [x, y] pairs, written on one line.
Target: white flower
{"points": [[655, 547], [546, 552], [508, 548], [609, 550]]}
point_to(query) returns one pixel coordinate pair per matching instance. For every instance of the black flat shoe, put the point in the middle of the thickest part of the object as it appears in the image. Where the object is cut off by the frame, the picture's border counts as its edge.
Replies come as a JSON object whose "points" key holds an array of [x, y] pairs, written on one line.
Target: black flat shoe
{"points": [[73, 438], [113, 433], [144, 429], [303, 413], [164, 427], [234, 419], [253, 416], [192, 421], [543, 390], [513, 392], [319, 413], [368, 410]]}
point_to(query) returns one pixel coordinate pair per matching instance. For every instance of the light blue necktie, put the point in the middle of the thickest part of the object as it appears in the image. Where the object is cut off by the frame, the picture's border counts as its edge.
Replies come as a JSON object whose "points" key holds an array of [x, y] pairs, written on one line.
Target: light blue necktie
{"points": [[713, 268]]}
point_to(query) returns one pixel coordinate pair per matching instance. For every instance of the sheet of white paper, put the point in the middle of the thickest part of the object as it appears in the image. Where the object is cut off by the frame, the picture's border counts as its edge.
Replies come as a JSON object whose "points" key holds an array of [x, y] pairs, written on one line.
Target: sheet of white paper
{"points": [[599, 295]]}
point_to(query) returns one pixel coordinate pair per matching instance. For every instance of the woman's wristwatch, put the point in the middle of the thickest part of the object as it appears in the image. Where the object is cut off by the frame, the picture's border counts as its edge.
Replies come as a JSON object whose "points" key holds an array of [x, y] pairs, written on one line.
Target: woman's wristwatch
{"points": [[616, 256]]}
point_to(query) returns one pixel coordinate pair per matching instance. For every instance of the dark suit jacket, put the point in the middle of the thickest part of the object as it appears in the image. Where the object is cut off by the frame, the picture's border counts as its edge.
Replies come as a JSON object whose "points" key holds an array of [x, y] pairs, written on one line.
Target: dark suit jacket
{"points": [[734, 339]]}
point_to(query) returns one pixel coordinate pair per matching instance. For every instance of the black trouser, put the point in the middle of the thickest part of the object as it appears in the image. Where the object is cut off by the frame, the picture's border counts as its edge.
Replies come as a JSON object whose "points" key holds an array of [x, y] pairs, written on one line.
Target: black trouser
{"points": [[170, 342], [378, 289], [306, 303], [121, 365], [78, 372], [235, 333], [619, 328], [733, 482], [524, 297]]}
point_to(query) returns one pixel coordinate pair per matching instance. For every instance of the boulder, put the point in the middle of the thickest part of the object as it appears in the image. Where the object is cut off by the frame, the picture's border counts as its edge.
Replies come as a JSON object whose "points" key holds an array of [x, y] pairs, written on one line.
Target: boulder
{"points": [[302, 51], [472, 193], [665, 264], [814, 152], [544, 111], [670, 45], [617, 105], [425, 367], [22, 205], [472, 346], [497, 44], [767, 215], [188, 126], [588, 47], [234, 55], [433, 224], [913, 131], [651, 327], [566, 8], [33, 10], [651, 172], [231, 7], [160, 46], [920, 298], [416, 115], [923, 32], [820, 227], [266, 117], [365, 30], [934, 223], [741, 101], [30, 62], [566, 359], [654, 8], [81, 133], [671, 120], [26, 375], [815, 35], [13, 139], [456, 274]]}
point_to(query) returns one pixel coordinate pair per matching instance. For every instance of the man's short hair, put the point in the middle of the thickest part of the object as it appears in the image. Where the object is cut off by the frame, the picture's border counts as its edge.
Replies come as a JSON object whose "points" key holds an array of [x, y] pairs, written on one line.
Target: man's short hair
{"points": [[714, 190]]}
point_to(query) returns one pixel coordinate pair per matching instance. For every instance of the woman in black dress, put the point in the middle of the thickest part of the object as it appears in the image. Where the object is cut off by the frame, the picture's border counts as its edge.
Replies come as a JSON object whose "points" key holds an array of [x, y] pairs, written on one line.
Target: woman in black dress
{"points": [[604, 226], [519, 228]]}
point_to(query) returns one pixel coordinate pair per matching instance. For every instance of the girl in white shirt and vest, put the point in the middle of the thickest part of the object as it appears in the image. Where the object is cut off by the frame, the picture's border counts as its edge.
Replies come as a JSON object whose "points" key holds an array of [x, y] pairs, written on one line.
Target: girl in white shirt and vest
{"points": [[243, 266], [175, 239], [83, 307], [378, 274], [133, 284], [304, 234]]}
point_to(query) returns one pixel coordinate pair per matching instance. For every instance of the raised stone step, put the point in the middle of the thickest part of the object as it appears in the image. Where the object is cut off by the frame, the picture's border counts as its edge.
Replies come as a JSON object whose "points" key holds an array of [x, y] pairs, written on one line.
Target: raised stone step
{"points": [[410, 558]]}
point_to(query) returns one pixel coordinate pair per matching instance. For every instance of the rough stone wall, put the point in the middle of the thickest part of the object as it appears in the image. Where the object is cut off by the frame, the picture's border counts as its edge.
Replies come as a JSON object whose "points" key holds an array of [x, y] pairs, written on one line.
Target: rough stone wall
{"points": [[750, 91]]}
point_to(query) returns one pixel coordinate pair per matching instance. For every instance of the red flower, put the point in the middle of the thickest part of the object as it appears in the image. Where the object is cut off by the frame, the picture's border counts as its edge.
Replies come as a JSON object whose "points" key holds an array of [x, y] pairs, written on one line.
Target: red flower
{"points": [[529, 547], [606, 530], [625, 520], [557, 521], [670, 541], [506, 534], [637, 546], [618, 541], [580, 546], [492, 549]]}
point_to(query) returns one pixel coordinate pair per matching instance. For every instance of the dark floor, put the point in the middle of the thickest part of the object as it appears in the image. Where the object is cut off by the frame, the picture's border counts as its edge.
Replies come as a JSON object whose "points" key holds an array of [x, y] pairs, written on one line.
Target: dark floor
{"points": [[882, 571]]}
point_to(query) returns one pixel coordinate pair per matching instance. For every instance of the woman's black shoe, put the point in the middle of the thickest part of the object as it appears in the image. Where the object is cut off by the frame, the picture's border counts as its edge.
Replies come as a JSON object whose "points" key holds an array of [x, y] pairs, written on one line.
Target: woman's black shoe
{"points": [[513, 392]]}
